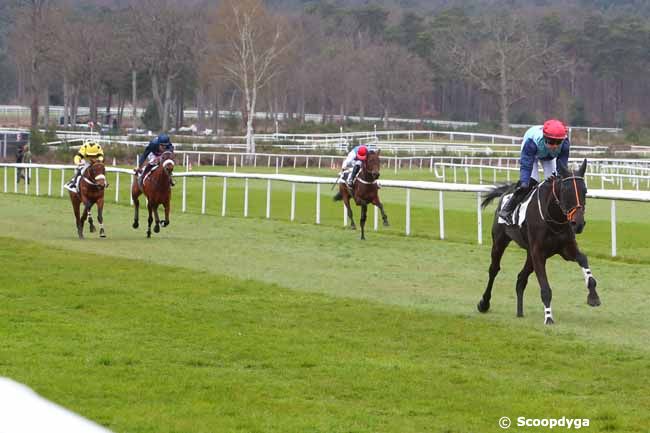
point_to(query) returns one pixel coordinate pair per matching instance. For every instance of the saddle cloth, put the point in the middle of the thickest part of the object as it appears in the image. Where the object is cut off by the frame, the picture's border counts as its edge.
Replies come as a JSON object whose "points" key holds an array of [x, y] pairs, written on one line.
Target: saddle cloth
{"points": [[519, 214]]}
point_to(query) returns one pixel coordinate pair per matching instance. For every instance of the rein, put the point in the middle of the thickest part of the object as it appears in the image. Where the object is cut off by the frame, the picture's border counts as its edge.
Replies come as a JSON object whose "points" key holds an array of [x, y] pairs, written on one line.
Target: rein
{"points": [[92, 181], [570, 214]]}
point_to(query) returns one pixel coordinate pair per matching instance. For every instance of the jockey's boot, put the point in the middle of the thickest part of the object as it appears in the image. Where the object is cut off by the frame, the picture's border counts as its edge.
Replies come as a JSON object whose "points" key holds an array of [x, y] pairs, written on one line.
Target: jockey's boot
{"points": [[171, 181], [516, 198], [353, 175]]}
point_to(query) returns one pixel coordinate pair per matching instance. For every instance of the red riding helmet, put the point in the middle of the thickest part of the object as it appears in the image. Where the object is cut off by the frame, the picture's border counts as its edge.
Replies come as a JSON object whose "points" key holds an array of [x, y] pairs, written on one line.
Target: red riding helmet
{"points": [[554, 129], [362, 152]]}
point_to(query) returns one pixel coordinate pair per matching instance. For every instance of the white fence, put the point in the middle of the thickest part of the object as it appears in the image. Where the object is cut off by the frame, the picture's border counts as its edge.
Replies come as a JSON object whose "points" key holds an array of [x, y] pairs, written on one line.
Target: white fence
{"points": [[613, 195]]}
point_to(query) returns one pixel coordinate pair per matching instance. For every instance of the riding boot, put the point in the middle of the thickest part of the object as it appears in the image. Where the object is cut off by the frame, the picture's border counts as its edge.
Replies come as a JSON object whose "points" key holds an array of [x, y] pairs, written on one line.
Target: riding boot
{"points": [[353, 175], [72, 184], [516, 198]]}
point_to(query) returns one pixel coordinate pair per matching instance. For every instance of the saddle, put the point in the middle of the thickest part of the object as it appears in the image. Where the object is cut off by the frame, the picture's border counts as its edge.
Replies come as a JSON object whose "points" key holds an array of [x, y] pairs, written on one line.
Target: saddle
{"points": [[518, 216]]}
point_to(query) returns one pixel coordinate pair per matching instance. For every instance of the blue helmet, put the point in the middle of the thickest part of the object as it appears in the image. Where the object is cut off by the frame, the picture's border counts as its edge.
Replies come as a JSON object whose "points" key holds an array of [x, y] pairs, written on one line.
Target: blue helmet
{"points": [[163, 139], [155, 141]]}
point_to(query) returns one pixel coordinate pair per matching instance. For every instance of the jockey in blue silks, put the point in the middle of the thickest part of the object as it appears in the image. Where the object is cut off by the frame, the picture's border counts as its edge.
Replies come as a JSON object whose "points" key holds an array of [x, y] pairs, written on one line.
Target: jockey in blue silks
{"points": [[155, 148], [542, 144]]}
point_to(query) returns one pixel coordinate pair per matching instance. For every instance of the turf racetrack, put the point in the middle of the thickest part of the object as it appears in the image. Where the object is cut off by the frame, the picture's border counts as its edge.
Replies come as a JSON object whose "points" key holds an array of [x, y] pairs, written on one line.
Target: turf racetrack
{"points": [[253, 325]]}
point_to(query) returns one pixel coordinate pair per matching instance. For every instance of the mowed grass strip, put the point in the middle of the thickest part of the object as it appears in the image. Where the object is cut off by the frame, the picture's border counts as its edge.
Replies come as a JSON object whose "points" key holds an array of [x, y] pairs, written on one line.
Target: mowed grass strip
{"points": [[148, 348]]}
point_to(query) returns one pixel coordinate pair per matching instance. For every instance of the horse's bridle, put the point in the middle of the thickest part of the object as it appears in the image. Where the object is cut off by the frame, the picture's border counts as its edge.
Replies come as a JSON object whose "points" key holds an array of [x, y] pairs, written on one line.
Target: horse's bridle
{"points": [[363, 170], [92, 181], [568, 214]]}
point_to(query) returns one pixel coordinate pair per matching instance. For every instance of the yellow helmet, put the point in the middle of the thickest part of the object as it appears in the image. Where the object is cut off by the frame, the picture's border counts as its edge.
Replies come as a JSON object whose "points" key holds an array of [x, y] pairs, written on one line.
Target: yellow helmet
{"points": [[93, 148]]}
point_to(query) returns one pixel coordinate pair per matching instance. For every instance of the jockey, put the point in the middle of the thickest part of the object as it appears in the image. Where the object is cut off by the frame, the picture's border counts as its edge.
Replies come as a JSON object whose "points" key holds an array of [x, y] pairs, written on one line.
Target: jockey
{"points": [[88, 153], [156, 147], [354, 161], [544, 144]]}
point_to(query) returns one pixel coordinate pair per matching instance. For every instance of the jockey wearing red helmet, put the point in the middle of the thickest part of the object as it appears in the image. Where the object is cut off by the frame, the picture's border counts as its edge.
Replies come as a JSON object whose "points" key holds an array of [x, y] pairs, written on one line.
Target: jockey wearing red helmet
{"points": [[354, 159], [542, 144]]}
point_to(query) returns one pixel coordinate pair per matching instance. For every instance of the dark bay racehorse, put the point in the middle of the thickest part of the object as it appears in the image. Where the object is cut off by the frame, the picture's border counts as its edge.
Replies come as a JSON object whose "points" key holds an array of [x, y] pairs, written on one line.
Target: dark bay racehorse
{"points": [[91, 191], [364, 191], [555, 213], [157, 188]]}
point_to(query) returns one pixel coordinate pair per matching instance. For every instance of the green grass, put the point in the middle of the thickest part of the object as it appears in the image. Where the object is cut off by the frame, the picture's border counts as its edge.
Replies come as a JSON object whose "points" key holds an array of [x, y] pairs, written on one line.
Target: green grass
{"points": [[141, 347], [234, 324]]}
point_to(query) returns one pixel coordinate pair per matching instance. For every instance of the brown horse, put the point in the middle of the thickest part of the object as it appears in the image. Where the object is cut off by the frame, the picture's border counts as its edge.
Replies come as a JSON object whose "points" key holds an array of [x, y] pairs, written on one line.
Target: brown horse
{"points": [[91, 191], [365, 190], [156, 186]]}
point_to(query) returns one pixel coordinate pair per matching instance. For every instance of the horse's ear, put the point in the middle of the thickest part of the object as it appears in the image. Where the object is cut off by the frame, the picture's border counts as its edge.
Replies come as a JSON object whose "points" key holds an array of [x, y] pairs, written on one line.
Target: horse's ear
{"points": [[583, 168], [562, 169]]}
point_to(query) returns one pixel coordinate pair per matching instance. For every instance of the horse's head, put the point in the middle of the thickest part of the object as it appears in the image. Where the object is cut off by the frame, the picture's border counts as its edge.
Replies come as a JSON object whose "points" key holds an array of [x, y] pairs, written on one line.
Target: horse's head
{"points": [[571, 194], [167, 161], [371, 166], [96, 174]]}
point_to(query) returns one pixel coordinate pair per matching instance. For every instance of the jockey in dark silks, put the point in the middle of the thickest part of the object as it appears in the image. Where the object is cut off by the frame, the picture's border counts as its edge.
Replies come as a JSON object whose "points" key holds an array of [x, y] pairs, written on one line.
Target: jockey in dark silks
{"points": [[155, 148]]}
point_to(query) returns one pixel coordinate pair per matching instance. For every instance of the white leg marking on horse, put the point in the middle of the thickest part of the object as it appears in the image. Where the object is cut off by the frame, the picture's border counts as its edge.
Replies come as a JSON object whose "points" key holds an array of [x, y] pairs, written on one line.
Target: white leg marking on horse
{"points": [[587, 273], [548, 314]]}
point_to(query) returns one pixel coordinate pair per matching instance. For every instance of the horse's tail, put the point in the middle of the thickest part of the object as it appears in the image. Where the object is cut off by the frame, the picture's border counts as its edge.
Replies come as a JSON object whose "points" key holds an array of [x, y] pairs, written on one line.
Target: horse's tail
{"points": [[497, 191], [338, 196]]}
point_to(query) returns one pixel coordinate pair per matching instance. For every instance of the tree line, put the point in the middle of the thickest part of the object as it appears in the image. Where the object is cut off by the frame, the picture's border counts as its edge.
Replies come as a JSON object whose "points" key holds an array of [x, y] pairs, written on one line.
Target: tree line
{"points": [[490, 62]]}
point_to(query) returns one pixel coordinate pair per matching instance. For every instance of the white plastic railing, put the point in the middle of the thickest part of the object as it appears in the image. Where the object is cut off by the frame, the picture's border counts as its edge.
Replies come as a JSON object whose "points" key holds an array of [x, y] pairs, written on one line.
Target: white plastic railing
{"points": [[441, 187]]}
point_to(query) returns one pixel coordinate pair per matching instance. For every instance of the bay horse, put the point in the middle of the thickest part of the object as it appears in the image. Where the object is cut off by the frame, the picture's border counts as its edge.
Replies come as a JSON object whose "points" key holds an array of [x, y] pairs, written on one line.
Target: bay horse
{"points": [[92, 184], [555, 214], [156, 186], [365, 190]]}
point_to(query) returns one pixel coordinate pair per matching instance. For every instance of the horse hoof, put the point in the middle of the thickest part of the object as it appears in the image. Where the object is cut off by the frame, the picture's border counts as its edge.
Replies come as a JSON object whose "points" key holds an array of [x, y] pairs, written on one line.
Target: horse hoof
{"points": [[92, 229], [164, 223], [156, 228], [549, 321], [102, 233], [363, 238], [136, 224], [386, 224], [148, 234], [594, 301], [353, 227], [483, 306]]}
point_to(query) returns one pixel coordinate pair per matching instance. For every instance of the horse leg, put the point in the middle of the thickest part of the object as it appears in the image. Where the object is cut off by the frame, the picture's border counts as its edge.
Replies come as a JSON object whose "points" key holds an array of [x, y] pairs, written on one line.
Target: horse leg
{"points": [[135, 193], [500, 241], [76, 203], [84, 215], [522, 281], [362, 220], [91, 224], [539, 264], [167, 207], [380, 205], [156, 228], [573, 253], [346, 201], [150, 219], [100, 217]]}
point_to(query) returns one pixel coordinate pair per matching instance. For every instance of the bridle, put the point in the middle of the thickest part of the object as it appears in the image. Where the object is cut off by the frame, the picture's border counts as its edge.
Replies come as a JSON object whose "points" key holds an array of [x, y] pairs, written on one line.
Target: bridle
{"points": [[363, 170], [568, 214], [92, 180]]}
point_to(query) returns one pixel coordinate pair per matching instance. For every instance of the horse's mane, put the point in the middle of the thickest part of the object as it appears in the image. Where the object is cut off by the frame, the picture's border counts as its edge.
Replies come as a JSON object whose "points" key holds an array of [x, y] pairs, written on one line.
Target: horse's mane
{"points": [[497, 191]]}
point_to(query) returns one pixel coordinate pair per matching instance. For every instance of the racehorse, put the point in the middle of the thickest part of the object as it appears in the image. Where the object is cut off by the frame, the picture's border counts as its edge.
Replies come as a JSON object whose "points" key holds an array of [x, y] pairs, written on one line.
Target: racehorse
{"points": [[91, 191], [156, 186], [555, 214], [364, 191]]}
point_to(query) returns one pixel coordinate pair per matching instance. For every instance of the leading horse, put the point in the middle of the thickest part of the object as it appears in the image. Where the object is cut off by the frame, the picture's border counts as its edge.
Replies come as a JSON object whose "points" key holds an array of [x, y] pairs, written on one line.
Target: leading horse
{"points": [[156, 186], [365, 190], [554, 215], [91, 191]]}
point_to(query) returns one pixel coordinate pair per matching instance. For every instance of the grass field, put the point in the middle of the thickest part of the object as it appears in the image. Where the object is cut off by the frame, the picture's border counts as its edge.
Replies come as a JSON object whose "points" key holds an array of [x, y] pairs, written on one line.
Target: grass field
{"points": [[232, 324]]}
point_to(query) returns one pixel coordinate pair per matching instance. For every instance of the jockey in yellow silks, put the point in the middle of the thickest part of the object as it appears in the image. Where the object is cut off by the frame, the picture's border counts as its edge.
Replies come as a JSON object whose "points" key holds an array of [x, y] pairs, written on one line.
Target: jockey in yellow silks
{"points": [[88, 153]]}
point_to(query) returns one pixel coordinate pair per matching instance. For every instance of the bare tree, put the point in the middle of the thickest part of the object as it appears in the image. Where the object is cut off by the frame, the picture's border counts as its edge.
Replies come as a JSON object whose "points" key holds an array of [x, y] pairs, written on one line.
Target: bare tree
{"points": [[33, 28], [396, 75], [504, 59], [248, 42], [165, 32]]}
